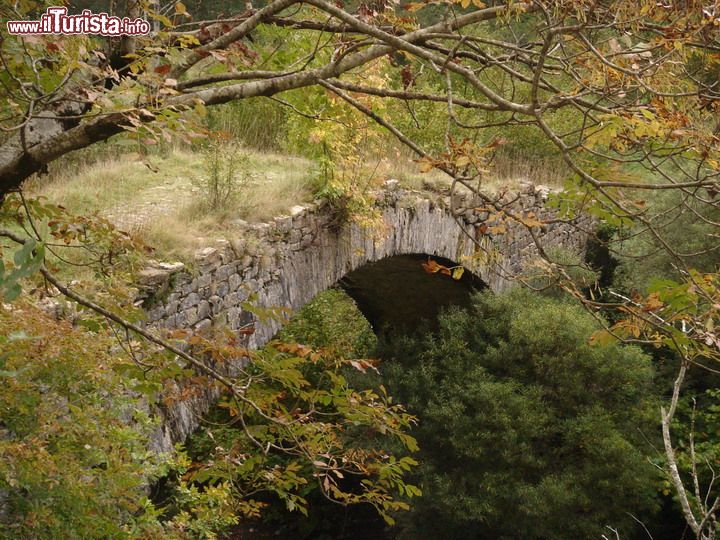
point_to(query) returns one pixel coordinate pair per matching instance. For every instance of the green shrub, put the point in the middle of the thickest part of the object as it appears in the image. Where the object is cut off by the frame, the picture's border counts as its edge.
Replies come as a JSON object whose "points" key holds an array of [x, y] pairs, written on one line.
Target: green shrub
{"points": [[226, 175], [74, 459], [526, 431], [687, 227], [332, 320]]}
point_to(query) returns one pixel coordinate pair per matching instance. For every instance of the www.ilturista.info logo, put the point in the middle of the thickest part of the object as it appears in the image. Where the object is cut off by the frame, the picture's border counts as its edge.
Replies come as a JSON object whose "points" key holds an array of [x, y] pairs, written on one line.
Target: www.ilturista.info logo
{"points": [[56, 21]]}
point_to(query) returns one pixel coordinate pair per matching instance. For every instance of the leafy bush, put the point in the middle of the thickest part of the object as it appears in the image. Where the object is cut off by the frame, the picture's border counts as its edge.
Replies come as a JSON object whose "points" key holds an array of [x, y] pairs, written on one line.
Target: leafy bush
{"points": [[74, 459], [302, 427], [526, 431], [227, 173], [687, 227], [331, 320]]}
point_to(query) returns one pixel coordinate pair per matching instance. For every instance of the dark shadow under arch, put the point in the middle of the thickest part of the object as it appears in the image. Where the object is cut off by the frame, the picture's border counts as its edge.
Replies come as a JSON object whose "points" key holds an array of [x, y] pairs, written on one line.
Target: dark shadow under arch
{"points": [[396, 294]]}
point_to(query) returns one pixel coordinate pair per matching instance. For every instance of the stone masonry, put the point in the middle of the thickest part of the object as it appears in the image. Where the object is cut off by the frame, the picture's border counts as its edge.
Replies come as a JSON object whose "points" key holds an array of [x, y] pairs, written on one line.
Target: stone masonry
{"points": [[287, 262]]}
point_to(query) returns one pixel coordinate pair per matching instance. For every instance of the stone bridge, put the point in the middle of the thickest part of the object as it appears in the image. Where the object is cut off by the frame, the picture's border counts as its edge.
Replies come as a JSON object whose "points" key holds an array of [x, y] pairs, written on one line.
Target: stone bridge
{"points": [[286, 263]]}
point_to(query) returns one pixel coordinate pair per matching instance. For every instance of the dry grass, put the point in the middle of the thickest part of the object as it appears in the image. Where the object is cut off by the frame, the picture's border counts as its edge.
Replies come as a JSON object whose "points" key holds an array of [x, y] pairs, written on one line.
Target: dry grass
{"points": [[505, 173], [550, 171], [154, 196], [279, 183], [400, 163]]}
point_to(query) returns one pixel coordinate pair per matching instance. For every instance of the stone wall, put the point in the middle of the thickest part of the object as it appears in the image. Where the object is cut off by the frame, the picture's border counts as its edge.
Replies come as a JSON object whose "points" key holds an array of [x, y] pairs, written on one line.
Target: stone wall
{"points": [[286, 263]]}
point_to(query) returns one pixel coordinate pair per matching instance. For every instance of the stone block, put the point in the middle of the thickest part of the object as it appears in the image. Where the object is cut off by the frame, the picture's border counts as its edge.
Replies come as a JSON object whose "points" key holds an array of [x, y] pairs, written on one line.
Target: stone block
{"points": [[216, 304], [234, 281], [155, 314], [203, 325], [208, 257], [218, 288], [169, 322], [172, 307], [203, 309], [250, 272], [266, 262], [152, 278], [189, 287], [191, 316], [283, 224], [203, 280], [233, 317], [222, 272], [190, 300], [181, 320], [242, 294], [230, 300]]}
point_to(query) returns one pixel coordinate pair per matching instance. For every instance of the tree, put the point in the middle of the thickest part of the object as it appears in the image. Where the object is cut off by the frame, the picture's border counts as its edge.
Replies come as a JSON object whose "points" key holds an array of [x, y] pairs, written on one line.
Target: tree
{"points": [[61, 417], [526, 430], [625, 92]]}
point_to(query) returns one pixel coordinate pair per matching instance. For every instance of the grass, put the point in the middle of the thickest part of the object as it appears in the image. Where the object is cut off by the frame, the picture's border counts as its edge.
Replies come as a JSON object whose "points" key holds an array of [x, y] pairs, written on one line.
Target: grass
{"points": [[550, 171], [155, 196], [506, 172]]}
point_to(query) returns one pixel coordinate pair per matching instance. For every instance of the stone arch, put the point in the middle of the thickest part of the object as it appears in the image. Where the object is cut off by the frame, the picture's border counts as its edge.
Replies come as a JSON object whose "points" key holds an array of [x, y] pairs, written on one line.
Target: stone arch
{"points": [[286, 263]]}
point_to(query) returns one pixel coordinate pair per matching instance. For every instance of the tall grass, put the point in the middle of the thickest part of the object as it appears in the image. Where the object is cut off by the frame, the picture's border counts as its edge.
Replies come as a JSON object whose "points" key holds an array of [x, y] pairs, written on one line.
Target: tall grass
{"points": [[157, 197], [259, 123], [548, 170]]}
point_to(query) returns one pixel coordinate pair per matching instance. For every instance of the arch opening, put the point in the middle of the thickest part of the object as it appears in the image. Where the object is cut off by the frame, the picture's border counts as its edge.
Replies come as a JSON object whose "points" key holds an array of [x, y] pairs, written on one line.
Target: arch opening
{"points": [[396, 294]]}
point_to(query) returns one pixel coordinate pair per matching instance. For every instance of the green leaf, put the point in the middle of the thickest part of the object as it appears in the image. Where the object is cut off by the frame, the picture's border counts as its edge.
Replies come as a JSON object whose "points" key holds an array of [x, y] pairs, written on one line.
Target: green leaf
{"points": [[12, 291], [90, 324], [22, 256]]}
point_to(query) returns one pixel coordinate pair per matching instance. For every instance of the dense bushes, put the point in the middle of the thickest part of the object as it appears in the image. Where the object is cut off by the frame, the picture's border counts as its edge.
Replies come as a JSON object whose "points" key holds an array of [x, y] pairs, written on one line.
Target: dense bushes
{"points": [[332, 320], [72, 464], [526, 431]]}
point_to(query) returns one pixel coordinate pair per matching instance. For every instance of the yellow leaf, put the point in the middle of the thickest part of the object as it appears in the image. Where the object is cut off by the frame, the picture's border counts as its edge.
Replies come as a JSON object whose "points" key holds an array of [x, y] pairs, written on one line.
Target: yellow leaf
{"points": [[462, 161], [457, 273], [530, 220], [426, 165], [653, 302], [478, 4], [601, 337], [413, 6], [647, 114], [180, 8]]}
